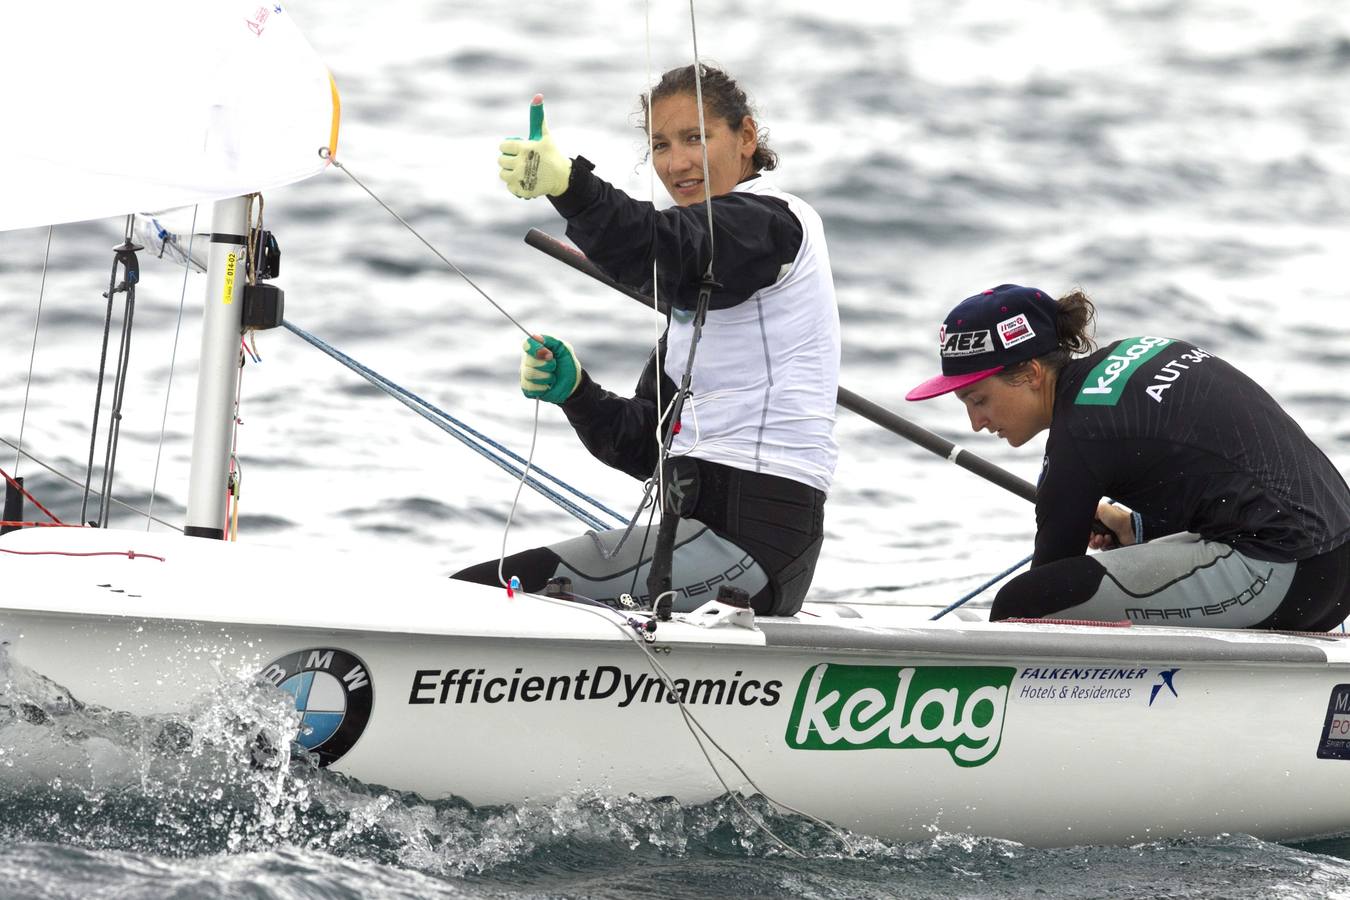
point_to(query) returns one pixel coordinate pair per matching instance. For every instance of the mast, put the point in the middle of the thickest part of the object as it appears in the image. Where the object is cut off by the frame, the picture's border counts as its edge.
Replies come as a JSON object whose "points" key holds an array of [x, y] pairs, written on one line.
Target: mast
{"points": [[218, 370]]}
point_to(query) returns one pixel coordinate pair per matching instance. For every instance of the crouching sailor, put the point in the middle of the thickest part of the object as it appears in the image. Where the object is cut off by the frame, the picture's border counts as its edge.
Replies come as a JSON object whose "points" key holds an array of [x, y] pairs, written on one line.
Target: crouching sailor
{"points": [[1229, 515], [753, 457]]}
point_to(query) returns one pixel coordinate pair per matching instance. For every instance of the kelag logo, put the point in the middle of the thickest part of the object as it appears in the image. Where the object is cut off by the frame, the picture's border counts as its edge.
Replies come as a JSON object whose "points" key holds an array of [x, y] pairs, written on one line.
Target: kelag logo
{"points": [[1101, 387], [954, 708]]}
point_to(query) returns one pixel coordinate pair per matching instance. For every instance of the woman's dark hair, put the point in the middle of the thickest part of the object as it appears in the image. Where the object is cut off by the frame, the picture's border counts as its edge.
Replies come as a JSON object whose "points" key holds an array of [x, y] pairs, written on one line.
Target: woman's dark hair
{"points": [[722, 97], [1073, 327]]}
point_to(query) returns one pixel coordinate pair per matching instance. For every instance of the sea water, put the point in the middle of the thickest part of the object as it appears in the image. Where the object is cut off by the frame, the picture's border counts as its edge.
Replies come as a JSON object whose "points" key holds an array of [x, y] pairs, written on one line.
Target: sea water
{"points": [[1186, 162]]}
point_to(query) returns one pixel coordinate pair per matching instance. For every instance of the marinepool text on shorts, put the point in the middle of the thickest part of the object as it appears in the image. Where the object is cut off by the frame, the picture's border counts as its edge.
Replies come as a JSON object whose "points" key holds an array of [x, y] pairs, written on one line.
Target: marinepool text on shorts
{"points": [[954, 708]]}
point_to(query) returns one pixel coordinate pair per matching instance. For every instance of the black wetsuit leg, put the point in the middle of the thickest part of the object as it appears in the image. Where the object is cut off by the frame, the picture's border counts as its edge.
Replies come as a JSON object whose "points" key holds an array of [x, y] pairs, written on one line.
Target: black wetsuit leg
{"points": [[1047, 589], [1318, 599], [778, 522]]}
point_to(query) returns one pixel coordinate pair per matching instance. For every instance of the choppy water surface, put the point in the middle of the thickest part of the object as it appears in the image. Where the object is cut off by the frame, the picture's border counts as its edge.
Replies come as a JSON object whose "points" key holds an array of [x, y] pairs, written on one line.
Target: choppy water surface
{"points": [[99, 803], [1187, 162]]}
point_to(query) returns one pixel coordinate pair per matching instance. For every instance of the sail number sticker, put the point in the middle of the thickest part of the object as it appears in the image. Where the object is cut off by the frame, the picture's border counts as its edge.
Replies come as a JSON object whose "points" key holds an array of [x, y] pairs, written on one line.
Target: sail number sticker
{"points": [[231, 262]]}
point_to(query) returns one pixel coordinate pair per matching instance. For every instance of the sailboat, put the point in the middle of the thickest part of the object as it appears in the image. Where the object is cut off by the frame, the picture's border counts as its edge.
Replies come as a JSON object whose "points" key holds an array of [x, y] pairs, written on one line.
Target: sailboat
{"points": [[884, 723]]}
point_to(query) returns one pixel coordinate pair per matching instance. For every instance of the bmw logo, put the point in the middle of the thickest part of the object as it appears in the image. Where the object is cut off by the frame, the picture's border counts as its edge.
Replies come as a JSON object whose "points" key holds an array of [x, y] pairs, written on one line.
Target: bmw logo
{"points": [[333, 693]]}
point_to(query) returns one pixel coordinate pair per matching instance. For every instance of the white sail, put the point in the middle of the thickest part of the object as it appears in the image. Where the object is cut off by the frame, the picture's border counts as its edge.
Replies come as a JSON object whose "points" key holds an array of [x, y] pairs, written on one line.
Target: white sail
{"points": [[112, 108]]}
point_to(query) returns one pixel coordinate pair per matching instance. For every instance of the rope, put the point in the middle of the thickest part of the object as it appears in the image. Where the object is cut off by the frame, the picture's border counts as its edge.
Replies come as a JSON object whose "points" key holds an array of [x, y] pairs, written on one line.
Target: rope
{"points": [[9, 523], [696, 728], [515, 501], [130, 277], [703, 138], [664, 434], [98, 392], [20, 488], [463, 433], [129, 554], [995, 580]]}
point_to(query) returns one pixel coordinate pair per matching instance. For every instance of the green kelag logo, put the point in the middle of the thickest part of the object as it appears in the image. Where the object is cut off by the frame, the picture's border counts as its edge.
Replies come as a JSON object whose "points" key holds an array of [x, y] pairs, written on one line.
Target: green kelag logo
{"points": [[954, 708], [1106, 382]]}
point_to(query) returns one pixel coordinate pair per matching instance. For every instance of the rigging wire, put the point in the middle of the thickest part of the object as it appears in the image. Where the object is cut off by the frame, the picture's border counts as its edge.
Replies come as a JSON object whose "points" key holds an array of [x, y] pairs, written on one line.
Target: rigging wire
{"points": [[173, 360], [460, 431], [439, 255], [523, 473], [32, 356], [70, 479]]}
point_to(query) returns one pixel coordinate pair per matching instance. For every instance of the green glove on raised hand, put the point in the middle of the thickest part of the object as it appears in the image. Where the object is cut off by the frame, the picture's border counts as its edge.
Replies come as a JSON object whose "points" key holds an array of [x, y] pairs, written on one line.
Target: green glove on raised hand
{"points": [[549, 370], [535, 167]]}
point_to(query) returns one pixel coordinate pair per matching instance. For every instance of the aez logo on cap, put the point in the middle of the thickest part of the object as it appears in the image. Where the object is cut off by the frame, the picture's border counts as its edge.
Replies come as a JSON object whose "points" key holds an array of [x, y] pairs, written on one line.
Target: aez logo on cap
{"points": [[1014, 331], [958, 709], [333, 692], [967, 343]]}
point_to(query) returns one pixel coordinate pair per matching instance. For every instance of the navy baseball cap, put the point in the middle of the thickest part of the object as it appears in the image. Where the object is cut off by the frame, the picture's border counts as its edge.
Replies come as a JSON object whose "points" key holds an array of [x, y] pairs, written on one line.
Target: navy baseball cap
{"points": [[988, 332]]}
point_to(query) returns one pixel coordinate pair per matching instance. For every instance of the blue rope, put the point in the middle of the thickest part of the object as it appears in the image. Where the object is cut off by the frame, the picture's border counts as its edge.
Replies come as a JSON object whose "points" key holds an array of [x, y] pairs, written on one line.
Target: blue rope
{"points": [[995, 580], [450, 424]]}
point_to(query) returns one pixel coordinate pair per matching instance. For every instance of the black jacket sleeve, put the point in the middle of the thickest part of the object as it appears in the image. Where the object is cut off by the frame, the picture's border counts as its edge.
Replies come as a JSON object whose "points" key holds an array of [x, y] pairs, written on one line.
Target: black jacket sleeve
{"points": [[621, 431], [753, 238], [1066, 502]]}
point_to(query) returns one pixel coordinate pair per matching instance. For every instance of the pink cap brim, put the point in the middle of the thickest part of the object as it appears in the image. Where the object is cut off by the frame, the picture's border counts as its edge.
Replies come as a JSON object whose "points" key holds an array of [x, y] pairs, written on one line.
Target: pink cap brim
{"points": [[944, 384]]}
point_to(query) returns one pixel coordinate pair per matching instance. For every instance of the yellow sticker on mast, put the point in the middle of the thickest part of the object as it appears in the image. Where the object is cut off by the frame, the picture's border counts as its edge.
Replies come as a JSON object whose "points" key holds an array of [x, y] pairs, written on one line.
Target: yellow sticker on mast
{"points": [[230, 261]]}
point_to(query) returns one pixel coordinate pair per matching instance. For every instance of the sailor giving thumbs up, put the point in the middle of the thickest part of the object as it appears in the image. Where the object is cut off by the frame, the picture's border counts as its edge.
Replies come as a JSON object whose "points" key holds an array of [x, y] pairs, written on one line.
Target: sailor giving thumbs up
{"points": [[535, 167]]}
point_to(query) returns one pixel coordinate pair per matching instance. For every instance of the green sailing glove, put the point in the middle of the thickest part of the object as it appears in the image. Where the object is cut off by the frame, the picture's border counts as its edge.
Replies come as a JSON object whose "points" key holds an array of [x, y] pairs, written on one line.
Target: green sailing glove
{"points": [[553, 379], [535, 167]]}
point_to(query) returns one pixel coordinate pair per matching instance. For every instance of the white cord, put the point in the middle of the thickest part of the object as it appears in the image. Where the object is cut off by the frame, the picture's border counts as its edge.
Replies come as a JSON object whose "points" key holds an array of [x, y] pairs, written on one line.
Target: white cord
{"points": [[702, 133], [524, 475], [696, 728], [656, 287]]}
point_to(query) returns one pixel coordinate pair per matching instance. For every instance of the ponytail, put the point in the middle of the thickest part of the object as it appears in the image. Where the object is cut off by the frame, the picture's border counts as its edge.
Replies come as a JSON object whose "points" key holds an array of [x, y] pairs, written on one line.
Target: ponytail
{"points": [[1074, 324], [1074, 327]]}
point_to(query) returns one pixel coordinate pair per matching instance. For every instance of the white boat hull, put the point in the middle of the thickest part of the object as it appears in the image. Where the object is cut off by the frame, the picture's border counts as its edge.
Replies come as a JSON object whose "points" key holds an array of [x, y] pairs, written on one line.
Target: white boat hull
{"points": [[1044, 734]]}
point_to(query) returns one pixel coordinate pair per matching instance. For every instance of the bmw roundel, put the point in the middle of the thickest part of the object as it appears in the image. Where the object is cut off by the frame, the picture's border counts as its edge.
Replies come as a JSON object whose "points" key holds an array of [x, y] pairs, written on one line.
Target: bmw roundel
{"points": [[333, 693]]}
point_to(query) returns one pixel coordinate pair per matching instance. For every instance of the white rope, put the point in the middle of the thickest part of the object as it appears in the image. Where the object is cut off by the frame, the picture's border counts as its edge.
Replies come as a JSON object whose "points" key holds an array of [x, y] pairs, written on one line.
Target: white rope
{"points": [[696, 728], [702, 134], [657, 321], [524, 475]]}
